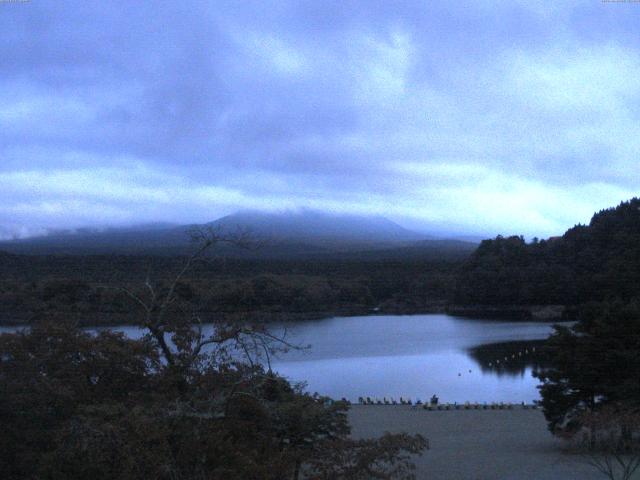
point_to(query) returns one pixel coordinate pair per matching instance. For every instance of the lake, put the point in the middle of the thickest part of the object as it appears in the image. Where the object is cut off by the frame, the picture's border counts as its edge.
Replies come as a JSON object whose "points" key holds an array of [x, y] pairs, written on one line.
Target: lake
{"points": [[416, 356], [413, 356]]}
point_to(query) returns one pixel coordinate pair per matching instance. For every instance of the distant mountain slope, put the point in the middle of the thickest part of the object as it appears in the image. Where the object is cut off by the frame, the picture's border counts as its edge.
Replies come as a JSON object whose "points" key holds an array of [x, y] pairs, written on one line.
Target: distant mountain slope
{"points": [[433, 250], [314, 226], [87, 241], [288, 234], [595, 262]]}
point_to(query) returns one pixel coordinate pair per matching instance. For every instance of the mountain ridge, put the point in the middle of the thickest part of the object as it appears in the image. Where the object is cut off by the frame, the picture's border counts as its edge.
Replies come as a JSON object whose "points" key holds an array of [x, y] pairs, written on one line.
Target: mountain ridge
{"points": [[305, 232]]}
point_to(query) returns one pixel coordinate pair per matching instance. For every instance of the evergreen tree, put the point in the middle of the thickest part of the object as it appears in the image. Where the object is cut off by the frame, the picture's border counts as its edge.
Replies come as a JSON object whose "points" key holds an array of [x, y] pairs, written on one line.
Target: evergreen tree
{"points": [[593, 363]]}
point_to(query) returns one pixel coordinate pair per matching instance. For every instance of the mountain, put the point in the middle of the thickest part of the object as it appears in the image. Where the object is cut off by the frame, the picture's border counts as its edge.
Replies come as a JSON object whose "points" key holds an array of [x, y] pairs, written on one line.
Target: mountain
{"points": [[286, 234], [313, 226], [138, 239]]}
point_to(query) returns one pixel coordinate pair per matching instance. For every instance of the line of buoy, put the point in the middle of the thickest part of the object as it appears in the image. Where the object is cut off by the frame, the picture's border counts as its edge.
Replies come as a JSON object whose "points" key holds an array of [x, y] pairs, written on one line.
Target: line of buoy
{"points": [[386, 401], [513, 356], [446, 406]]}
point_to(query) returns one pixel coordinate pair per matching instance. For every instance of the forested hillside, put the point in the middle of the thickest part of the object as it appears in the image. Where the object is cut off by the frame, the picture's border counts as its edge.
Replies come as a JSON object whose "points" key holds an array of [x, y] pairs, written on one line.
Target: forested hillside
{"points": [[89, 289], [595, 262]]}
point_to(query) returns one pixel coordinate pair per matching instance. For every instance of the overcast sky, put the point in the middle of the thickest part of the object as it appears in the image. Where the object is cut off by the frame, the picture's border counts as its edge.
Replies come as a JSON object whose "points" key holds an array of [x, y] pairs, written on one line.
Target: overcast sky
{"points": [[474, 116]]}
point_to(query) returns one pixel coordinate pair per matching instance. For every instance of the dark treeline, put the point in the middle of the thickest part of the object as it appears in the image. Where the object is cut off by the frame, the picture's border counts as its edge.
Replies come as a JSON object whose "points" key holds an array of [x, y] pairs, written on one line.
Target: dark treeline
{"points": [[595, 262], [589, 370], [88, 288]]}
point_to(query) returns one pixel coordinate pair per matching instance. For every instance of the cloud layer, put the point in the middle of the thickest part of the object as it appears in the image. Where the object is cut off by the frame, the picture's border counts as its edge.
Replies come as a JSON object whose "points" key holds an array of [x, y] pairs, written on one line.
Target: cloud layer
{"points": [[475, 117]]}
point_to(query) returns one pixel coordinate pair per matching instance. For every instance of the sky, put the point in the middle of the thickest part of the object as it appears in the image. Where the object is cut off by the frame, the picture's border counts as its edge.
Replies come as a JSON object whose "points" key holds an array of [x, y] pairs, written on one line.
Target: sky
{"points": [[474, 117]]}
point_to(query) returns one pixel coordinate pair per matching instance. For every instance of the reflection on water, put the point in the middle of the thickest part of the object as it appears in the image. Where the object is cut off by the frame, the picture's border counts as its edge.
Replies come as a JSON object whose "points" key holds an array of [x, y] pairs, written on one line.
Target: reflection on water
{"points": [[413, 356], [416, 356], [509, 358]]}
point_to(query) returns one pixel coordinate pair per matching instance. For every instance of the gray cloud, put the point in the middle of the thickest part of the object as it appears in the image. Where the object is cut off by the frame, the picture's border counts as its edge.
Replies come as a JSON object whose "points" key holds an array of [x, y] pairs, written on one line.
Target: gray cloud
{"points": [[508, 116]]}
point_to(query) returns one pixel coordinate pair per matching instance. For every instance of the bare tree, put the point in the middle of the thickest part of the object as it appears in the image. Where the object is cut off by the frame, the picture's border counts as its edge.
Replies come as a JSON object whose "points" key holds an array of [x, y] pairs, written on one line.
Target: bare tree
{"points": [[178, 328], [176, 405], [308, 433]]}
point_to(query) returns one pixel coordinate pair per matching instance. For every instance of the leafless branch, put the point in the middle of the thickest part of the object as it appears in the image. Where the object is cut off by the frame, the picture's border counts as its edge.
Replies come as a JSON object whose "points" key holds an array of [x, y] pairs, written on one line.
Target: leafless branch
{"points": [[159, 304]]}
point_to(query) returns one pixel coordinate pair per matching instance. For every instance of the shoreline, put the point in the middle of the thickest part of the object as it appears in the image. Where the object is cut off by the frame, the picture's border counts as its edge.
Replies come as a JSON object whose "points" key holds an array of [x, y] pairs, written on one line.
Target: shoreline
{"points": [[531, 313], [510, 444], [251, 315], [455, 406], [506, 314]]}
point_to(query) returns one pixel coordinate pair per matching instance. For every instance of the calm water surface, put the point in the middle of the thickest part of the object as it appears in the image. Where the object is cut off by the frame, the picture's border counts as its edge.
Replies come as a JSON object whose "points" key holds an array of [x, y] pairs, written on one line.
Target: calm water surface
{"points": [[413, 356]]}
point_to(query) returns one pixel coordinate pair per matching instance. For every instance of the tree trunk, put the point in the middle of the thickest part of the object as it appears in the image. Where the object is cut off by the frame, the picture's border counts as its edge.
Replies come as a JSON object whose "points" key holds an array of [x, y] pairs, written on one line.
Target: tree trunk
{"points": [[296, 471]]}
